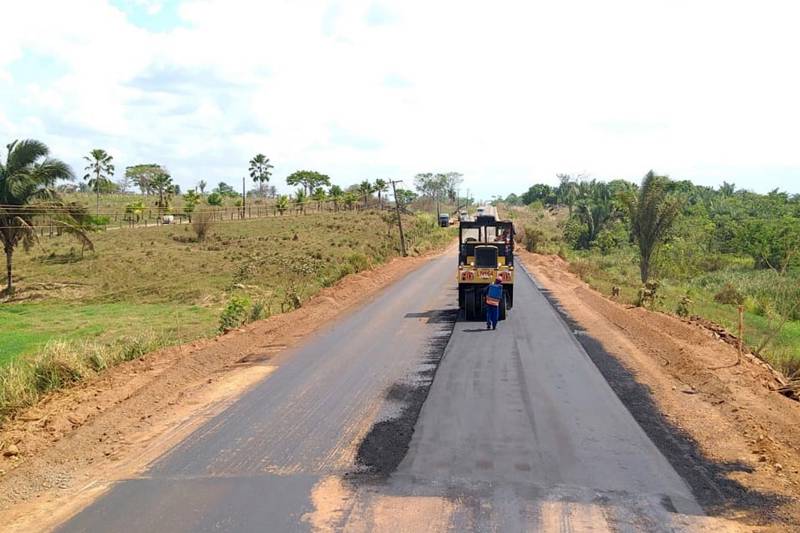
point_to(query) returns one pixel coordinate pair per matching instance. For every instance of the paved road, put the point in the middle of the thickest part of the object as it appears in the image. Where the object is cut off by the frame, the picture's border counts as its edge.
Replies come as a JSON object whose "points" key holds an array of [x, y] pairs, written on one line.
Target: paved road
{"points": [[519, 432]]}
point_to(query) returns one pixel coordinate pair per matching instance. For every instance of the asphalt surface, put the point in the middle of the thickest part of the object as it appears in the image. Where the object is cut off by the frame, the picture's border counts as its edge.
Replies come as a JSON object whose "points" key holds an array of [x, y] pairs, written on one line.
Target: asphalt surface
{"points": [[518, 432]]}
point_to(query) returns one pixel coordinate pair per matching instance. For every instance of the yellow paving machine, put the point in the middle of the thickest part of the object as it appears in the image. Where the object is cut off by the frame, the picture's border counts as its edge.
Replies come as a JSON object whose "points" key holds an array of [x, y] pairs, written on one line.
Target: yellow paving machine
{"points": [[486, 252]]}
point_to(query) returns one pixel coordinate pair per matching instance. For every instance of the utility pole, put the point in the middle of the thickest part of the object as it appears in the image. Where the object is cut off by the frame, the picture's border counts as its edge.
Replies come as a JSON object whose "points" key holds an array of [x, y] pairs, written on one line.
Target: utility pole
{"points": [[399, 218], [244, 197]]}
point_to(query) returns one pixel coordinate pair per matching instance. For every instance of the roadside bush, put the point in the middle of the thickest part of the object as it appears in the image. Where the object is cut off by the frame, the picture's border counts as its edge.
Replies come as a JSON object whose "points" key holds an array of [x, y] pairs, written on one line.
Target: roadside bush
{"points": [[359, 262], [729, 295], [532, 238], [235, 314], [59, 364], [202, 222], [583, 269], [257, 312]]}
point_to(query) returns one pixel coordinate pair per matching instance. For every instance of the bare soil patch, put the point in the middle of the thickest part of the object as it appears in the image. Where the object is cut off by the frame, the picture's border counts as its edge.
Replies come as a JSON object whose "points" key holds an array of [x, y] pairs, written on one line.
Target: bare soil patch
{"points": [[723, 426], [65, 451]]}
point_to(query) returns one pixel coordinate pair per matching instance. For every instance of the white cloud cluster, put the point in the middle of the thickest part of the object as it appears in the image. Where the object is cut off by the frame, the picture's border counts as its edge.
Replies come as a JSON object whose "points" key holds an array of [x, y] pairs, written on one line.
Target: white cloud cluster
{"points": [[507, 93]]}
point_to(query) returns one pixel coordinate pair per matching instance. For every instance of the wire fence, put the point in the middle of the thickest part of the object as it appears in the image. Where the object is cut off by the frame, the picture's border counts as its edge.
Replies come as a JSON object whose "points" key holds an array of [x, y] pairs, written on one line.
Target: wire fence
{"points": [[46, 220]]}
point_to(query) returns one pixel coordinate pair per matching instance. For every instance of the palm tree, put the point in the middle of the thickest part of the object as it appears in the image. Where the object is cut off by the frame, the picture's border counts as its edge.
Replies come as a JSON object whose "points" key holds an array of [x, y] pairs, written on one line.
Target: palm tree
{"points": [[162, 182], [365, 188], [202, 186], [28, 177], [319, 196], [282, 203], [350, 199], [337, 195], [380, 187], [300, 200], [652, 214], [260, 170], [98, 172], [567, 191]]}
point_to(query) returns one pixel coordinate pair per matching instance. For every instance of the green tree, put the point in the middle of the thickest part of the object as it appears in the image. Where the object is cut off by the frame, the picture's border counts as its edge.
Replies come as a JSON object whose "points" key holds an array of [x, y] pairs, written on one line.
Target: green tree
{"points": [[380, 187], [308, 179], [190, 201], [260, 171], [652, 212], [162, 184], [141, 175], [350, 198], [319, 196], [226, 190], [300, 198], [568, 191], [282, 203], [99, 172], [27, 179], [365, 189], [336, 195], [214, 199]]}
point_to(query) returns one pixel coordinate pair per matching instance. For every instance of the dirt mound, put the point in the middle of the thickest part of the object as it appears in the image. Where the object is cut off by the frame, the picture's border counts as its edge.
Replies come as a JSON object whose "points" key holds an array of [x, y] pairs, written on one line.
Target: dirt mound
{"points": [[70, 445], [723, 424]]}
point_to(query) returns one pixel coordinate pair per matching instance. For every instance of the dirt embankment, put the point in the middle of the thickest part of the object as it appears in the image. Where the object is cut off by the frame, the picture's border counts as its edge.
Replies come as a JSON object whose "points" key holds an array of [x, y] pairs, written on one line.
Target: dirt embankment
{"points": [[722, 425], [62, 453]]}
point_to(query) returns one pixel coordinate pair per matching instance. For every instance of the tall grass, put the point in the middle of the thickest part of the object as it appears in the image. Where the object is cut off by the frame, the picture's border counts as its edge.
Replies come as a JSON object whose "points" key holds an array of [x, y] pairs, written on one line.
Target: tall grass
{"points": [[61, 364]]}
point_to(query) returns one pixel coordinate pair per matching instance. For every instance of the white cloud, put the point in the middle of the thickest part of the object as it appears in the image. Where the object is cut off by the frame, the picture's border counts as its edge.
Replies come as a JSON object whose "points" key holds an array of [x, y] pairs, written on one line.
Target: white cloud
{"points": [[507, 93]]}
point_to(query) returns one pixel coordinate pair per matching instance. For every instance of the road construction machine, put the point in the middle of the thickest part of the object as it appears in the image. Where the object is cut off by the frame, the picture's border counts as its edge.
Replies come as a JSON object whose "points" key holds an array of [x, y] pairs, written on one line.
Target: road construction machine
{"points": [[486, 252]]}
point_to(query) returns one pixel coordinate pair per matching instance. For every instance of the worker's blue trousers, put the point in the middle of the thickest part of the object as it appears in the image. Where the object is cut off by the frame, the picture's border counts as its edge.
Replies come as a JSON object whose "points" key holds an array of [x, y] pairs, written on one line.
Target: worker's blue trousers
{"points": [[492, 315]]}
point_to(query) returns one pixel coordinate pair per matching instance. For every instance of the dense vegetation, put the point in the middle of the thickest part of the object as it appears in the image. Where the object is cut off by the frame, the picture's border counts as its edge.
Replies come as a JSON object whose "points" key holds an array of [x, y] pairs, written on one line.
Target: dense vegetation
{"points": [[723, 248]]}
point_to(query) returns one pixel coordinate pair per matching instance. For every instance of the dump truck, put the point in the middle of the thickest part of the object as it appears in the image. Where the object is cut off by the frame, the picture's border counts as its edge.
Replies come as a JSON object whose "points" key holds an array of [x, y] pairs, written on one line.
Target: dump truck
{"points": [[486, 252]]}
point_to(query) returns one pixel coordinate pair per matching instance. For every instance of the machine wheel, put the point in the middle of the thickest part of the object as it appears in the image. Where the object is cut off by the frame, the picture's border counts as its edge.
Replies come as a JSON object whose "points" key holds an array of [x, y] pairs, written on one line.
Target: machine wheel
{"points": [[469, 304], [503, 309]]}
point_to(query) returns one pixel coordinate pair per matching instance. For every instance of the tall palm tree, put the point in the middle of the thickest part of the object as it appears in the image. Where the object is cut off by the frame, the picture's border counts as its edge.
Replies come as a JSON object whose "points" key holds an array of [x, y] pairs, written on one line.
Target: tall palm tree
{"points": [[162, 182], [99, 172], [365, 188], [27, 187], [319, 196], [300, 200], [260, 170], [202, 186], [336, 194], [652, 214], [380, 187]]}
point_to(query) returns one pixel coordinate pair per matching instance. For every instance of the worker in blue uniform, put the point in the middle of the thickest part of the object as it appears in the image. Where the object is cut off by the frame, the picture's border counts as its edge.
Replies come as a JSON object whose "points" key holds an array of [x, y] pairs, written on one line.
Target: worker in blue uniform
{"points": [[493, 297]]}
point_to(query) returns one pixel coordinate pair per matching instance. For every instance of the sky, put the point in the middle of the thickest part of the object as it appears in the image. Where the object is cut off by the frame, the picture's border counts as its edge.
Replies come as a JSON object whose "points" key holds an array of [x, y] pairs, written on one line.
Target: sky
{"points": [[509, 93]]}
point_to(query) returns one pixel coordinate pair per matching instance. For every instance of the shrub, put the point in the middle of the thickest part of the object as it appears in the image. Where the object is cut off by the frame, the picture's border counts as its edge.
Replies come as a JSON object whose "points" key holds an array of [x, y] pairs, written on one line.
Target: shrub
{"points": [[235, 314], [684, 308], [257, 312], [532, 238], [583, 269], [202, 223], [729, 295], [359, 262]]}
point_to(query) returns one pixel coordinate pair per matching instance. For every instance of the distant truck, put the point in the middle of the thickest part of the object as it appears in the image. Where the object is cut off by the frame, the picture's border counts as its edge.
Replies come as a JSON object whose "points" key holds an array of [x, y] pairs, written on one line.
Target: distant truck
{"points": [[444, 220]]}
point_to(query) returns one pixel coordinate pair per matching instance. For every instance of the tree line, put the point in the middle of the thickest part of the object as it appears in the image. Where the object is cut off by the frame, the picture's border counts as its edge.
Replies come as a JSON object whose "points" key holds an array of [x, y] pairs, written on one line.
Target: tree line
{"points": [[723, 220]]}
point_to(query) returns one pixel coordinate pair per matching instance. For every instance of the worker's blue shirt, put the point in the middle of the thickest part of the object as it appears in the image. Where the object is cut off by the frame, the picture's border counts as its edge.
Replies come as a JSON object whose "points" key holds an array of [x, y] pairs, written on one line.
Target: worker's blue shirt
{"points": [[495, 290]]}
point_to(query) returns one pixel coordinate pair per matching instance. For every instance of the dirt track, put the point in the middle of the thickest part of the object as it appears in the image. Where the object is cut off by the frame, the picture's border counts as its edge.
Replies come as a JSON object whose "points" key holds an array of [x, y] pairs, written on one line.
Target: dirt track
{"points": [[726, 431]]}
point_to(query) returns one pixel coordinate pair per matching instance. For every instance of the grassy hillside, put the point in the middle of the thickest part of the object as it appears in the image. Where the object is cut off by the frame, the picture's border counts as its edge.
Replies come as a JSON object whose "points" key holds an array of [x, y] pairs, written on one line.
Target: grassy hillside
{"points": [[159, 279]]}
